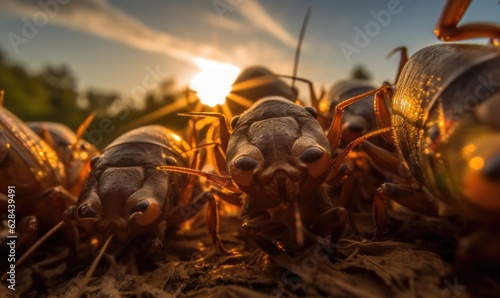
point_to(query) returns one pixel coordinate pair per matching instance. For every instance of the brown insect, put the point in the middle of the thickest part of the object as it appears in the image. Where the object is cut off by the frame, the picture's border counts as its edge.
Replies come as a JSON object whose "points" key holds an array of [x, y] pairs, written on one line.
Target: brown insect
{"points": [[43, 185], [278, 156], [447, 132], [127, 199]]}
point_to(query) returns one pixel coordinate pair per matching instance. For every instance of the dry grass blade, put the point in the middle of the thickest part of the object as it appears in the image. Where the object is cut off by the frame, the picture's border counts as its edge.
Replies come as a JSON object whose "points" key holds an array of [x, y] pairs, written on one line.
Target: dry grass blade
{"points": [[91, 270]]}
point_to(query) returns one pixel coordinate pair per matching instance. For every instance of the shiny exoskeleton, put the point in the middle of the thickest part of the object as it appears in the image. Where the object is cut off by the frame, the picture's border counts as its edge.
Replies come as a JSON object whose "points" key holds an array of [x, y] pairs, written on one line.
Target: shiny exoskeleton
{"points": [[278, 156], [448, 135], [42, 182], [254, 83], [74, 152], [126, 197]]}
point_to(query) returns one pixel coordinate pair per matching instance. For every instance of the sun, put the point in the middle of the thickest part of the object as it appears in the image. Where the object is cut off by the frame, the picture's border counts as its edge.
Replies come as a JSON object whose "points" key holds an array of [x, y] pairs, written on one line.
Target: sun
{"points": [[213, 82]]}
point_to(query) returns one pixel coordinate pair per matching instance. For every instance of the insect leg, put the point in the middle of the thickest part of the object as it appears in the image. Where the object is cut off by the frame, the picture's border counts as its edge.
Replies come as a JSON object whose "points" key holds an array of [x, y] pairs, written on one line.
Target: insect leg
{"points": [[402, 61], [262, 230], [408, 196], [447, 28], [224, 130], [334, 133], [382, 111], [387, 163], [28, 230], [332, 223]]}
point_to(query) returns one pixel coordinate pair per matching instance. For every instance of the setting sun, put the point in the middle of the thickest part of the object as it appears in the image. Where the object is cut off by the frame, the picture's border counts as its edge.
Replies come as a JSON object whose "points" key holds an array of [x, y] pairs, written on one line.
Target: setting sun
{"points": [[213, 82]]}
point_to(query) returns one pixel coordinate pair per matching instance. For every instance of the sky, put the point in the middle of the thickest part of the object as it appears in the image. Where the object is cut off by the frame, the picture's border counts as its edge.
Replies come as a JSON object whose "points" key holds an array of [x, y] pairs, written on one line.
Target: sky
{"points": [[121, 44]]}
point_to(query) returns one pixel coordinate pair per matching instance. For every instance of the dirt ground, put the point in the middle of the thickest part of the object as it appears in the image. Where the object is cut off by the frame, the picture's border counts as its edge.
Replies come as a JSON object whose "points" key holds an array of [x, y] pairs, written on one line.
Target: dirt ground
{"points": [[415, 262]]}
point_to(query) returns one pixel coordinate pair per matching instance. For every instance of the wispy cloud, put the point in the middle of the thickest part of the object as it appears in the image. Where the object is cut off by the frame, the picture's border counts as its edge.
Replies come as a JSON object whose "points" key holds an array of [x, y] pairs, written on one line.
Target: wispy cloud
{"points": [[258, 16], [102, 19], [226, 23]]}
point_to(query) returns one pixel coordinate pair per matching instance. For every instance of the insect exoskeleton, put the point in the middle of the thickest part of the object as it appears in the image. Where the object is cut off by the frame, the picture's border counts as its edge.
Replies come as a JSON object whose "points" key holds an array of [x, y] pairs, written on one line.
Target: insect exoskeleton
{"points": [[74, 152], [125, 195], [447, 134], [278, 154], [32, 168], [361, 179], [254, 83], [277, 151], [444, 127], [277, 159]]}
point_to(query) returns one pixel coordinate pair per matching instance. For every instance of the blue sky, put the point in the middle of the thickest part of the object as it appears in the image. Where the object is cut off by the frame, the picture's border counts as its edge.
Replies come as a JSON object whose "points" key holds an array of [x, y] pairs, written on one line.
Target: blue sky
{"points": [[110, 45]]}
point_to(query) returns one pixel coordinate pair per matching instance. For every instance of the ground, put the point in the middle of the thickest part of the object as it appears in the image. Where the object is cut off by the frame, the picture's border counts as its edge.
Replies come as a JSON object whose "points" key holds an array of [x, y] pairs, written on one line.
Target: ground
{"points": [[416, 261]]}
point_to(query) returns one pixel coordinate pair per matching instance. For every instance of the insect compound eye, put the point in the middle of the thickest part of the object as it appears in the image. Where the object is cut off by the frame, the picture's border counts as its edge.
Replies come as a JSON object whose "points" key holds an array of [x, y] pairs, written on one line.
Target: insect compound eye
{"points": [[141, 206], [241, 169], [316, 159], [245, 163], [234, 121], [93, 161], [170, 161], [145, 211], [311, 154], [85, 211], [312, 111], [308, 150]]}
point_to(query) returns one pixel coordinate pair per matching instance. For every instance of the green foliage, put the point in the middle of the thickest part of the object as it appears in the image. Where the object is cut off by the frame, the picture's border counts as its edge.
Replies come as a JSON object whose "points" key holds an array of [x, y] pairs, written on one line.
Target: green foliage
{"points": [[52, 93], [360, 73]]}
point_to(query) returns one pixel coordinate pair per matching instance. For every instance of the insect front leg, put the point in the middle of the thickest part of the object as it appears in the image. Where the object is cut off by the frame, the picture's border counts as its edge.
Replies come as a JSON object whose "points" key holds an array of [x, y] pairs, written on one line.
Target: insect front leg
{"points": [[332, 222], [262, 230], [28, 233], [334, 133], [403, 190], [54, 202], [411, 197], [184, 212]]}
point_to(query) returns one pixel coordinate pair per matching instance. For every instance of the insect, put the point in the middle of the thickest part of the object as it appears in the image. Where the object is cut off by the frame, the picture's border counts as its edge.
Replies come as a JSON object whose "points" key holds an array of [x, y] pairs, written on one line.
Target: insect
{"points": [[40, 179], [447, 135], [74, 152], [279, 156], [126, 196], [254, 83], [359, 117]]}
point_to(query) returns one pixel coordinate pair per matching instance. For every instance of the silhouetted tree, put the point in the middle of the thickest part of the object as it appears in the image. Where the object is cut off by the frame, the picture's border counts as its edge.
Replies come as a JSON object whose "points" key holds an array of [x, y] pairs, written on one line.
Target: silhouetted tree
{"points": [[360, 73]]}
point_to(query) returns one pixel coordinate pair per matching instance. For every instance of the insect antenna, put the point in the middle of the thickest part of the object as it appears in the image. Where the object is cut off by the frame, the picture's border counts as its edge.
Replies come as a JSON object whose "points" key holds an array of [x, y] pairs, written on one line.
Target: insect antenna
{"points": [[92, 268], [299, 45], [82, 128], [224, 182]]}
